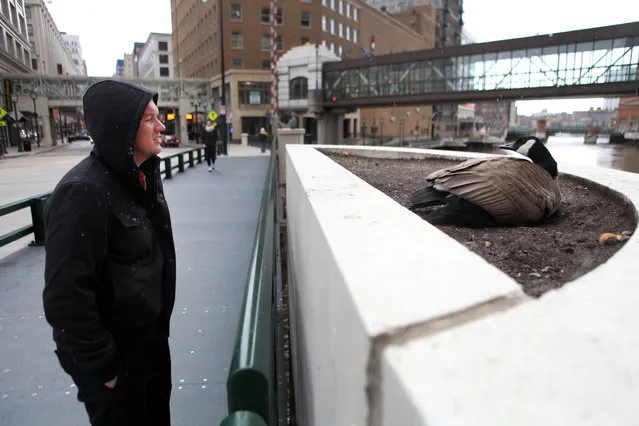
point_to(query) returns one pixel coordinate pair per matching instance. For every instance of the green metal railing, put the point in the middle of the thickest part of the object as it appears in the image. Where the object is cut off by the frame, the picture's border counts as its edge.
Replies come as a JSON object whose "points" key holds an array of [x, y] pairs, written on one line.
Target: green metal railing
{"points": [[169, 163], [37, 203], [251, 383]]}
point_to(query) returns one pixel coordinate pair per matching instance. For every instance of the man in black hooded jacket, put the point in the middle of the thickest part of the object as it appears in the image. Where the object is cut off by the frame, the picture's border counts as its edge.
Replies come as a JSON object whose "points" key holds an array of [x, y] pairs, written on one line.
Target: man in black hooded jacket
{"points": [[110, 263]]}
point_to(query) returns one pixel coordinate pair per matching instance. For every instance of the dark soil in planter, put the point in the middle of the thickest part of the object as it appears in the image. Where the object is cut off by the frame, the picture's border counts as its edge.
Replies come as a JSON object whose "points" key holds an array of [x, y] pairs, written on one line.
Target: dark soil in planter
{"points": [[540, 258]]}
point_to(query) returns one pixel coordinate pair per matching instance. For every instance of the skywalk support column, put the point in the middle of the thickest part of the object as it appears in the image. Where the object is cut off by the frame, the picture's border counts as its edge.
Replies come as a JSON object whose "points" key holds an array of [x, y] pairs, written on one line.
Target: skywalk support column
{"points": [[184, 107], [541, 129], [330, 129]]}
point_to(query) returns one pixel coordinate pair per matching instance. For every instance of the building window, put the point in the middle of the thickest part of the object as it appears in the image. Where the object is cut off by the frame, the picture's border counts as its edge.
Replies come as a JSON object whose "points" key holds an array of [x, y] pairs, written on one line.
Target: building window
{"points": [[341, 30], [333, 47], [236, 12], [324, 3], [164, 59], [341, 7], [163, 46], [14, 17], [237, 41], [340, 51], [59, 68], [332, 4], [355, 36], [237, 63], [355, 14], [265, 42], [324, 23], [298, 88], [280, 42], [30, 30], [279, 18], [333, 26], [25, 56], [266, 15], [305, 40], [348, 10], [164, 71], [266, 64], [32, 46], [250, 93], [306, 20], [34, 64], [348, 33]]}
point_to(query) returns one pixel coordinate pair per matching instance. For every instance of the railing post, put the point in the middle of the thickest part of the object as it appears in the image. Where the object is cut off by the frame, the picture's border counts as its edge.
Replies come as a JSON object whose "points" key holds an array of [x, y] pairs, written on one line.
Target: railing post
{"points": [[181, 163], [168, 173], [37, 218], [199, 155], [191, 163]]}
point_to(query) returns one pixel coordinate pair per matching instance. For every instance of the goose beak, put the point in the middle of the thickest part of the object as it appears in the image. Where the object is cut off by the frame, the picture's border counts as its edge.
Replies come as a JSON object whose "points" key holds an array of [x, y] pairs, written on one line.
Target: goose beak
{"points": [[510, 146]]}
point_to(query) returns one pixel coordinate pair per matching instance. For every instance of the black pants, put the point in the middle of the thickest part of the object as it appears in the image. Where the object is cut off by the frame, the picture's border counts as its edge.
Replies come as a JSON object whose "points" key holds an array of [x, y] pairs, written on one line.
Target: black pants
{"points": [[141, 395], [210, 155]]}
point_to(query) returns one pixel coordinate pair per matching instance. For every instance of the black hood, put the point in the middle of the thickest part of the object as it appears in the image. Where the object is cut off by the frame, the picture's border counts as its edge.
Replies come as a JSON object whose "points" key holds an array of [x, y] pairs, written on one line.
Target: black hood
{"points": [[113, 111]]}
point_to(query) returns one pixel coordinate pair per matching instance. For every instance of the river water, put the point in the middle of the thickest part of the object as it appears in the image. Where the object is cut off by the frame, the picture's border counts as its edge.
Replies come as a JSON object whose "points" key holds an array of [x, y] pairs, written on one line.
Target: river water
{"points": [[571, 149]]}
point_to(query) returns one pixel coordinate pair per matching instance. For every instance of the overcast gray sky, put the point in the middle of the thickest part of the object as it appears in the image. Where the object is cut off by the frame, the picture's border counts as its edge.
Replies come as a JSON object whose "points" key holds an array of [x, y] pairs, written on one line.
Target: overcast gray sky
{"points": [[108, 29]]}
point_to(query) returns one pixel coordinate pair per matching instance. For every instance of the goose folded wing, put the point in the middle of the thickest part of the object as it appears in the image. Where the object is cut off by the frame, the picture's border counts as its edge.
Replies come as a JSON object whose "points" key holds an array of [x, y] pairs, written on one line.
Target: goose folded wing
{"points": [[512, 190]]}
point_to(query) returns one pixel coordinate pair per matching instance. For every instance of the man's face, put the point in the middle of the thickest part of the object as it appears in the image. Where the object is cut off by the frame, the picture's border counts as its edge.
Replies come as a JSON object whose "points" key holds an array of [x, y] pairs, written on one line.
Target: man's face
{"points": [[147, 142]]}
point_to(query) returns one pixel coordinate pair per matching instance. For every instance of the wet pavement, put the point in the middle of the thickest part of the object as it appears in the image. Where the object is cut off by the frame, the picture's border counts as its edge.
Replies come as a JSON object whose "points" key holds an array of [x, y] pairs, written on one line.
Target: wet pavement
{"points": [[214, 217]]}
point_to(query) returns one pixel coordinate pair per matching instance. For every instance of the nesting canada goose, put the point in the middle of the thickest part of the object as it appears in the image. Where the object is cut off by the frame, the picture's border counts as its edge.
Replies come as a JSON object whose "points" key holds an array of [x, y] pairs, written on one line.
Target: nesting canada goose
{"points": [[494, 191]]}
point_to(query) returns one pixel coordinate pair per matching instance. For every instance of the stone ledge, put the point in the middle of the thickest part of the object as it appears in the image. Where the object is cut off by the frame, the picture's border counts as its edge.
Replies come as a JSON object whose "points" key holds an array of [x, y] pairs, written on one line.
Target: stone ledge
{"points": [[361, 285]]}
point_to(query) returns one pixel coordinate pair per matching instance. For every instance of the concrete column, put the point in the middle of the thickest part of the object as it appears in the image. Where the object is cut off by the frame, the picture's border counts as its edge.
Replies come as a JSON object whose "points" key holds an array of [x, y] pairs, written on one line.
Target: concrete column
{"points": [[541, 129], [184, 107], [245, 139], [330, 130], [285, 137], [591, 136]]}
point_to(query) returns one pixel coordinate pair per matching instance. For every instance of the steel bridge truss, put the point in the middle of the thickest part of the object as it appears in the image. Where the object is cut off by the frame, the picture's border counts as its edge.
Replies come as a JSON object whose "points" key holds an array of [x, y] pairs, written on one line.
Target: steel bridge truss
{"points": [[574, 64], [73, 88]]}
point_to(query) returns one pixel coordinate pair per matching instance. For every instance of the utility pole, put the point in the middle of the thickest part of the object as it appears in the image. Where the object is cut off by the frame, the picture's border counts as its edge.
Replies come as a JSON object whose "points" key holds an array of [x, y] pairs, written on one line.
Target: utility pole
{"points": [[221, 120], [222, 117]]}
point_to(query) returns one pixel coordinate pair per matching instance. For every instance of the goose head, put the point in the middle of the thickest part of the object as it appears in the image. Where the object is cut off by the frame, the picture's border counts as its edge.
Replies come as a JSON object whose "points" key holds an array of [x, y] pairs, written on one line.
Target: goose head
{"points": [[534, 149]]}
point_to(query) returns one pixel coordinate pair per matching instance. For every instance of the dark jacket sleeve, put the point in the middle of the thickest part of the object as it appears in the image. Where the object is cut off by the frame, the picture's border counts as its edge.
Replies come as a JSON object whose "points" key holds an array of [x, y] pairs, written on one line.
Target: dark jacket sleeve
{"points": [[76, 243]]}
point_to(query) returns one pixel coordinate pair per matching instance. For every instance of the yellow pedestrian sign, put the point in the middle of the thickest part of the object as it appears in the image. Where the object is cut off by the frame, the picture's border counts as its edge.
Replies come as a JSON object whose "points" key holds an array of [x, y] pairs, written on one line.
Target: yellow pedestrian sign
{"points": [[3, 123], [212, 116], [2, 113]]}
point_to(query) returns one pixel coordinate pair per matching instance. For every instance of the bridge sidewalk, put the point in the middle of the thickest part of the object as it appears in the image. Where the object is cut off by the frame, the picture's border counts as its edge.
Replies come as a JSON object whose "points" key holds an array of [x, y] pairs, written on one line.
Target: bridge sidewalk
{"points": [[214, 217]]}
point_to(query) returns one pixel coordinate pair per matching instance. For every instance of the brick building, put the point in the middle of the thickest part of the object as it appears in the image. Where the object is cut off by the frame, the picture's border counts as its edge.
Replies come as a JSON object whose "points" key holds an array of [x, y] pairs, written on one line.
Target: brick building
{"points": [[628, 114]]}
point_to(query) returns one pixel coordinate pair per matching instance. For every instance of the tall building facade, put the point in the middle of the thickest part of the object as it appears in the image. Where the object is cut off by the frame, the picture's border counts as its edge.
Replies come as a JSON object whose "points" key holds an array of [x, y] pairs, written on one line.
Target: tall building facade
{"points": [[73, 45], [155, 60], [50, 55], [15, 50], [128, 66], [346, 27], [119, 68]]}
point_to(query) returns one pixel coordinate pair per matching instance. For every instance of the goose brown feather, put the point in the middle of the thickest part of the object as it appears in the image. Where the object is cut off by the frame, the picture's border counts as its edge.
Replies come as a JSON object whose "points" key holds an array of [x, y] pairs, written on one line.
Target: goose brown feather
{"points": [[512, 190]]}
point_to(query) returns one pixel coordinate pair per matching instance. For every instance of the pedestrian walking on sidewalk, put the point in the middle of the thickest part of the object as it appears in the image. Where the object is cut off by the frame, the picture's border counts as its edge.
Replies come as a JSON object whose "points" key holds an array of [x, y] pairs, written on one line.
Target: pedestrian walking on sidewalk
{"points": [[262, 138], [110, 263], [210, 143]]}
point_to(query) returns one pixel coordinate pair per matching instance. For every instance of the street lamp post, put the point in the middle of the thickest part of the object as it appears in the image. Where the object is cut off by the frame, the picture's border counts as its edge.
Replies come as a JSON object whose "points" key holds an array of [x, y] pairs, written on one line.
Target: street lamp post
{"points": [[35, 120], [196, 104], [14, 100]]}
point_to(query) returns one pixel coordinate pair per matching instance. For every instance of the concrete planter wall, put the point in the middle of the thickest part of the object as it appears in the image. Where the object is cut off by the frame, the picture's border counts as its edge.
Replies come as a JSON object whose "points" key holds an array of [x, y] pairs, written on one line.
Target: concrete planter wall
{"points": [[395, 323]]}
